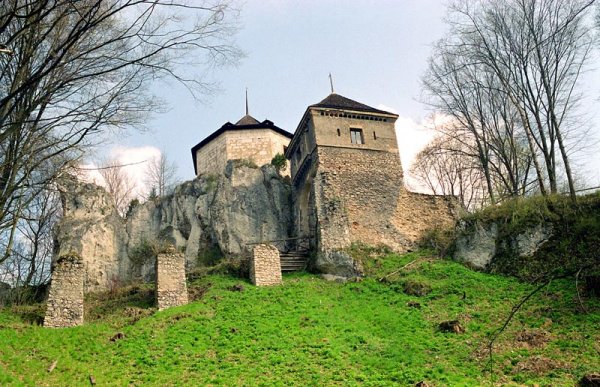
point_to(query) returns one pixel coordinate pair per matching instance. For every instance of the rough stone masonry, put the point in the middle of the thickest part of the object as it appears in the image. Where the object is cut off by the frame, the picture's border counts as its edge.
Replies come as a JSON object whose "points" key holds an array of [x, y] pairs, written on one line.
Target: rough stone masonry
{"points": [[65, 299], [171, 289], [265, 266]]}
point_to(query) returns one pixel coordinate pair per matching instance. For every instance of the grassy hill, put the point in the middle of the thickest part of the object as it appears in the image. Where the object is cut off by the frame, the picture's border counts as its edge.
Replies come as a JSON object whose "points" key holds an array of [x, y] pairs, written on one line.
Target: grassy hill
{"points": [[314, 332]]}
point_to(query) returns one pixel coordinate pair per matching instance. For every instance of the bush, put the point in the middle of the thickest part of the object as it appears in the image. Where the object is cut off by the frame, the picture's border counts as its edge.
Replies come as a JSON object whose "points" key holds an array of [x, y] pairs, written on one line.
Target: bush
{"points": [[440, 240], [209, 256], [147, 251], [279, 162]]}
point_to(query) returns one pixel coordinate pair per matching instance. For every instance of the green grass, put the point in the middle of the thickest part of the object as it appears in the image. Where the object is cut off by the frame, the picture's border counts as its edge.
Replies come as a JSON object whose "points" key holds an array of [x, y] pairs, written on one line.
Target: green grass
{"points": [[313, 332]]}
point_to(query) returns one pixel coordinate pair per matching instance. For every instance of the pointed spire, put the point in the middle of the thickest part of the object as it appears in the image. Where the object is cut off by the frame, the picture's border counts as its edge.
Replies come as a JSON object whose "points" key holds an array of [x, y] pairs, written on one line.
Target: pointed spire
{"points": [[331, 83], [247, 101]]}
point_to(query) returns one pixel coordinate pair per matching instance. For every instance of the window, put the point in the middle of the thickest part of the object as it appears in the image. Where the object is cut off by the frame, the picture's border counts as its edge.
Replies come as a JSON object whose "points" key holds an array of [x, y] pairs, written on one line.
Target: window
{"points": [[356, 136], [339, 133], [374, 136]]}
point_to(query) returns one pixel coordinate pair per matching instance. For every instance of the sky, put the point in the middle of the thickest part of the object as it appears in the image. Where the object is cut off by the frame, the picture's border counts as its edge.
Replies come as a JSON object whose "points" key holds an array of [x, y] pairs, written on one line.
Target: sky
{"points": [[375, 50]]}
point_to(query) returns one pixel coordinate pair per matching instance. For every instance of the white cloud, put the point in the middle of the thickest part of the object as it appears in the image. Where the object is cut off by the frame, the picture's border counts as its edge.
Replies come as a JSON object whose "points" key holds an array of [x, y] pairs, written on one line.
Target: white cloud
{"points": [[412, 137], [134, 160]]}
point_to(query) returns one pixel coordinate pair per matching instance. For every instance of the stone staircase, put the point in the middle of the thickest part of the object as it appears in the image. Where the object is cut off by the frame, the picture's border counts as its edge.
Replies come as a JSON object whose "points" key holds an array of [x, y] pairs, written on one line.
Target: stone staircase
{"points": [[293, 261]]}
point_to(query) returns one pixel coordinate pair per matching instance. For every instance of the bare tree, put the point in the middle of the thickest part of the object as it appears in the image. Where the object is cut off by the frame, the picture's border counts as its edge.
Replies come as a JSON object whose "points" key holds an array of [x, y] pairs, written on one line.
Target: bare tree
{"points": [[118, 184], [481, 122], [536, 50], [444, 168], [161, 174], [73, 70]]}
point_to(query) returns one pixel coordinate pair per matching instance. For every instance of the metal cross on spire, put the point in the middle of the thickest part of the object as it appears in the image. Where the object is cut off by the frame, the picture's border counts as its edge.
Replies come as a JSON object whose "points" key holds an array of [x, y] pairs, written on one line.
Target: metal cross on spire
{"points": [[331, 82]]}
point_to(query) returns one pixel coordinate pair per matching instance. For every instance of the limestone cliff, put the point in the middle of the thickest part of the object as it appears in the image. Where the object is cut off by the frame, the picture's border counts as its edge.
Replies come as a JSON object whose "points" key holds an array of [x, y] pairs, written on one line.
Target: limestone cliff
{"points": [[245, 205], [91, 228]]}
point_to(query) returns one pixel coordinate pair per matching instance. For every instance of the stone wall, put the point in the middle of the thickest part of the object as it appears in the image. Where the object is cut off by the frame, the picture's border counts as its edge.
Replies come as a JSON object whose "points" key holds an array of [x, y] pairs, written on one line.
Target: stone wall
{"points": [[171, 288], [417, 213], [265, 266], [257, 145], [212, 157], [65, 298], [260, 145], [332, 128], [367, 183]]}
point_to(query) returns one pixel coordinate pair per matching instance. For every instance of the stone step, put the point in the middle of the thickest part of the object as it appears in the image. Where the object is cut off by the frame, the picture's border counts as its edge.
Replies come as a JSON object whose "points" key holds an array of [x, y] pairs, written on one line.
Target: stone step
{"points": [[293, 260]]}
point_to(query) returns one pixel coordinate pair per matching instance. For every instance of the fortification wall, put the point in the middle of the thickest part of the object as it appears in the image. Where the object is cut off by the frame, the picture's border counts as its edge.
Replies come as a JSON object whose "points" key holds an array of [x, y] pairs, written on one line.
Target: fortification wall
{"points": [[333, 129], [259, 145], [417, 213], [367, 184], [212, 157]]}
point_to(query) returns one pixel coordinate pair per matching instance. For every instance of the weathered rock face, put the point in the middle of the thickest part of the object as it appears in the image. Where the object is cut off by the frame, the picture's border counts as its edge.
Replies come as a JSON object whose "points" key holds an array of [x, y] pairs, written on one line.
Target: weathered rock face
{"points": [[92, 229], [477, 247], [252, 205], [245, 205], [480, 244]]}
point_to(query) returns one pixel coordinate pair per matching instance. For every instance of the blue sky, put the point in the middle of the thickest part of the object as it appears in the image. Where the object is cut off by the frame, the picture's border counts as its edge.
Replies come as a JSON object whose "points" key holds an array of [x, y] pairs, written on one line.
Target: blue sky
{"points": [[375, 50]]}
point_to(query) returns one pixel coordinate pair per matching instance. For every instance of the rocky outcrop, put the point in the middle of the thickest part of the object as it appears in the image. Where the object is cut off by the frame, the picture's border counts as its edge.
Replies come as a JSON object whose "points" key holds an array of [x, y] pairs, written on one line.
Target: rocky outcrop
{"points": [[92, 229], [477, 246], [243, 206], [480, 244], [252, 206], [229, 212]]}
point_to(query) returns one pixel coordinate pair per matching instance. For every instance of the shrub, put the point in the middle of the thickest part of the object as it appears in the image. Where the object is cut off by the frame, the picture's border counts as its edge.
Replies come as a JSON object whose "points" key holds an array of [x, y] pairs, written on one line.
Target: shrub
{"points": [[441, 240], [279, 162], [147, 251], [132, 205]]}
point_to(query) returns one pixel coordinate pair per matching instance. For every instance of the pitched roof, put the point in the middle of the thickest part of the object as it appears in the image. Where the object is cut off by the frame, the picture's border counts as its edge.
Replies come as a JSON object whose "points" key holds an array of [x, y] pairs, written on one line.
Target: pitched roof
{"points": [[336, 101], [245, 123], [247, 120]]}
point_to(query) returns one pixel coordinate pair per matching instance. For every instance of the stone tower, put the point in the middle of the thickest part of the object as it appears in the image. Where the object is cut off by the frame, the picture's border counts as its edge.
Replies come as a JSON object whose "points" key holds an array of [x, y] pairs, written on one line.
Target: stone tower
{"points": [[247, 139], [346, 174]]}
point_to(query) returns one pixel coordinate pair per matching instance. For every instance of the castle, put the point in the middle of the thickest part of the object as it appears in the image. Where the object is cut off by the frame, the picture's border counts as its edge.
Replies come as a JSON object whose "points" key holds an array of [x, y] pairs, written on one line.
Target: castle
{"points": [[345, 187], [346, 174]]}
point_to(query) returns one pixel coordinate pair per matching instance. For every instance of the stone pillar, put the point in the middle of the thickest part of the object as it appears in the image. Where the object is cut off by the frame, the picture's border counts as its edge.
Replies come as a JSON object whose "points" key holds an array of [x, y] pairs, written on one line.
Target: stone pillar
{"points": [[171, 289], [265, 266], [65, 299]]}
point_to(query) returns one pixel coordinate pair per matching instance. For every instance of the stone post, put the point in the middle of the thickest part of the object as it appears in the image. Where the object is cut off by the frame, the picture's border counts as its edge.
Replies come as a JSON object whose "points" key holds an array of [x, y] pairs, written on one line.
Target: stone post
{"points": [[171, 289], [65, 299], [265, 266]]}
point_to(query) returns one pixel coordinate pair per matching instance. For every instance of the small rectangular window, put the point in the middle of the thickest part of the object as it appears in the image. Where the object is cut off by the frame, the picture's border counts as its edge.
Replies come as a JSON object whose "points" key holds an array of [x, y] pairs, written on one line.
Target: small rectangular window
{"points": [[356, 136], [374, 136]]}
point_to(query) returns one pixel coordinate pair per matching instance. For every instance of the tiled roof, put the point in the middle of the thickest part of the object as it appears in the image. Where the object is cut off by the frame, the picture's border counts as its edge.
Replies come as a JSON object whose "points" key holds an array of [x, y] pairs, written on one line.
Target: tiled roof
{"points": [[336, 101], [247, 120]]}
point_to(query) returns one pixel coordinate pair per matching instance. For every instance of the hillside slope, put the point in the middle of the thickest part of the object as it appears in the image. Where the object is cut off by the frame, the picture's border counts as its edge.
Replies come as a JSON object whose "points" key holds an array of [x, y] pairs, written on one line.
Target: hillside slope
{"points": [[310, 331]]}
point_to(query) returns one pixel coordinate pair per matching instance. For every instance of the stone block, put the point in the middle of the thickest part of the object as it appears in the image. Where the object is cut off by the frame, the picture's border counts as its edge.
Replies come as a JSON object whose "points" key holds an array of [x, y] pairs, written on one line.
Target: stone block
{"points": [[265, 266], [171, 288], [65, 298]]}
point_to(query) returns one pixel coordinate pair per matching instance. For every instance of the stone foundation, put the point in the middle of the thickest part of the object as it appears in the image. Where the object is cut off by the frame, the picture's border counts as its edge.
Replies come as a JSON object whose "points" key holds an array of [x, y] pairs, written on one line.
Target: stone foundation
{"points": [[65, 299], [171, 288], [265, 266]]}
